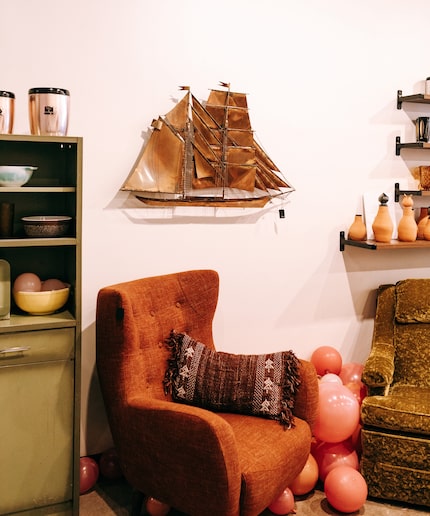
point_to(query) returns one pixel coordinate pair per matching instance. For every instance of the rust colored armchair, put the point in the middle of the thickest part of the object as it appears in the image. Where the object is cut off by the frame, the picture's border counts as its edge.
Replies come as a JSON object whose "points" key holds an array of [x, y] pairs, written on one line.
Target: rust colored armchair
{"points": [[396, 413], [197, 461]]}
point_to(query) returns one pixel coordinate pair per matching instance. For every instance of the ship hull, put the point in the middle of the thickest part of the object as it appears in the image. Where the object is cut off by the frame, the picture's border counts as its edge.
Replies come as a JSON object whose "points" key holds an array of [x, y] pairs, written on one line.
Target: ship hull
{"points": [[205, 202]]}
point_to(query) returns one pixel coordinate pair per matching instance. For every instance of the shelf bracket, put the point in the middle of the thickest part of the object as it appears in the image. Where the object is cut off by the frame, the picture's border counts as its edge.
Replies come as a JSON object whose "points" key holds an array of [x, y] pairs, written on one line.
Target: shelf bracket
{"points": [[399, 99], [397, 145], [354, 243], [398, 192]]}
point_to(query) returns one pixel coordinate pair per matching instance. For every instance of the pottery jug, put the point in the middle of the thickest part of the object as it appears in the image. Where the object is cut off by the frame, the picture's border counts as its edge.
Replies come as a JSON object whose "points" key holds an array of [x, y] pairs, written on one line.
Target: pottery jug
{"points": [[382, 225], [407, 229], [357, 230]]}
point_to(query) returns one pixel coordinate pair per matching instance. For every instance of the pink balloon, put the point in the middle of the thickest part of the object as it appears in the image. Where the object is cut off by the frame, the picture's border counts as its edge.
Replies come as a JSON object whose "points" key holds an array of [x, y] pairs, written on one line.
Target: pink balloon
{"points": [[331, 378], [351, 372], [326, 360], [109, 464], [338, 413], [358, 389], [345, 489], [332, 455], [156, 508], [89, 473], [284, 504]]}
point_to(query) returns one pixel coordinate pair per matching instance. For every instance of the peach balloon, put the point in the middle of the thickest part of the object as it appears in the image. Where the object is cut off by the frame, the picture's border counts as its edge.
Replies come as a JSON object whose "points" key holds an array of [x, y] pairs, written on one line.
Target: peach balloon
{"points": [[306, 479], [345, 489], [156, 508], [331, 455], [338, 413], [326, 359], [331, 378], [351, 372], [284, 504]]}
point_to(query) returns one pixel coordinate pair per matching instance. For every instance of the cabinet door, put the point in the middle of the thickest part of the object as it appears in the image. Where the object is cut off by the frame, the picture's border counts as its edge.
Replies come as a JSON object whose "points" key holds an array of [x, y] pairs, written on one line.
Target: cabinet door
{"points": [[36, 434]]}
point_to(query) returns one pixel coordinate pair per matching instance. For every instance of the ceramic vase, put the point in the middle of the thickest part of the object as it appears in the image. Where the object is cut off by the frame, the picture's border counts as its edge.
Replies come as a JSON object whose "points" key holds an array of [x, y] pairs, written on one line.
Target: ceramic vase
{"points": [[422, 221], [357, 231], [427, 230], [407, 229], [382, 225]]}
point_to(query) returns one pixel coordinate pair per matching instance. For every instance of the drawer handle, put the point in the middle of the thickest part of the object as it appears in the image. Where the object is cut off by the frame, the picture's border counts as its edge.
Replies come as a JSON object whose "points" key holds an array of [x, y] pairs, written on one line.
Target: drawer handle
{"points": [[17, 349]]}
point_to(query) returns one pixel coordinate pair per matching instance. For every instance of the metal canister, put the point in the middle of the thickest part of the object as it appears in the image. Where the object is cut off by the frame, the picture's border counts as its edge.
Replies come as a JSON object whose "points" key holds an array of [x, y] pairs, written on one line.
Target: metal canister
{"points": [[48, 110], [7, 109]]}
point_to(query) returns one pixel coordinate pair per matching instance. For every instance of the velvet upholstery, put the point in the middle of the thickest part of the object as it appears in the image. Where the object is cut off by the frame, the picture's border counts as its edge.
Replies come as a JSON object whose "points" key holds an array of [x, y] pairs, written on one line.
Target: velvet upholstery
{"points": [[396, 412], [194, 460]]}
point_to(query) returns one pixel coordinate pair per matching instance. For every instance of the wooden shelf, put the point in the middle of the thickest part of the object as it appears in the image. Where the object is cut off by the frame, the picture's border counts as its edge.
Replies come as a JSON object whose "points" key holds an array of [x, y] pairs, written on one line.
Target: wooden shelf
{"points": [[380, 246], [418, 98], [412, 145]]}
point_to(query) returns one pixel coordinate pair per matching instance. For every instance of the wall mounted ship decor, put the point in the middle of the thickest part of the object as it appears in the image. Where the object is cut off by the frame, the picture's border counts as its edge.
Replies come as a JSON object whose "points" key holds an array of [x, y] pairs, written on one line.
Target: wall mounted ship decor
{"points": [[205, 154]]}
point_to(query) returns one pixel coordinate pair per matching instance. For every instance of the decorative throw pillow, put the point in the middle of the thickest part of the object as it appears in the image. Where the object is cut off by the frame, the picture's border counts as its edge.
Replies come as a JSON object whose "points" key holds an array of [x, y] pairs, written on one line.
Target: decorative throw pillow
{"points": [[258, 385]]}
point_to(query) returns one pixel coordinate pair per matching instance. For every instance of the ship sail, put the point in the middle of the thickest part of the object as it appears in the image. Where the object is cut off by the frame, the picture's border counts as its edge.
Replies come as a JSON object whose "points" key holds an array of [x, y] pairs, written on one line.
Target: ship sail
{"points": [[205, 155]]}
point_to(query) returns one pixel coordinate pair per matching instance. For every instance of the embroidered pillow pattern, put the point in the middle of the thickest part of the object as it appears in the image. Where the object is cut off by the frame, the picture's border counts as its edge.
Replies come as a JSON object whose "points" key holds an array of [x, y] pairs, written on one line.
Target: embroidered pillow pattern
{"points": [[259, 385]]}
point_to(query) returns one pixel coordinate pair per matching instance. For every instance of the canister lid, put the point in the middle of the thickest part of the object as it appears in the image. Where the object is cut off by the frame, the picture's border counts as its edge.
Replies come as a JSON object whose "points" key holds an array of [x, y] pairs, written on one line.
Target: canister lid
{"points": [[58, 91], [7, 94]]}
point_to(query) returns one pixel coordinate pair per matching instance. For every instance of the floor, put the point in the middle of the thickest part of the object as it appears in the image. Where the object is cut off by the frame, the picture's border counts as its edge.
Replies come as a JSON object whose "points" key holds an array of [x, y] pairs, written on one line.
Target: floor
{"points": [[109, 498]]}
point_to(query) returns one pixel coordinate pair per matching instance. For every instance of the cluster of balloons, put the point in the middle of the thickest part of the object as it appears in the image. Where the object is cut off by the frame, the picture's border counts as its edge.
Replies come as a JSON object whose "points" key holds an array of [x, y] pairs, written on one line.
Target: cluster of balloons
{"points": [[334, 457], [89, 468]]}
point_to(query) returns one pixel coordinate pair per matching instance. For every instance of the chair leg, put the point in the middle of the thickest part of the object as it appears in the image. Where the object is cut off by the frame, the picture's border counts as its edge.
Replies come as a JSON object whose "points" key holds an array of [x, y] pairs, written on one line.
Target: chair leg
{"points": [[137, 499]]}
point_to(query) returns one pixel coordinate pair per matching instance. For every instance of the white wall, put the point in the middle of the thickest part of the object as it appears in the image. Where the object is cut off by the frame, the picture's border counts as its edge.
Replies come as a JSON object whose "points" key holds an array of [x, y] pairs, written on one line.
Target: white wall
{"points": [[322, 80]]}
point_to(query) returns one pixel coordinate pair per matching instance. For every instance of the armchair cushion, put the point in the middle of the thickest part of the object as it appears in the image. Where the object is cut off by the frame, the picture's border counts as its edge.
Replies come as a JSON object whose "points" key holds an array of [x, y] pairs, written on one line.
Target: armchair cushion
{"points": [[406, 409], [259, 385]]}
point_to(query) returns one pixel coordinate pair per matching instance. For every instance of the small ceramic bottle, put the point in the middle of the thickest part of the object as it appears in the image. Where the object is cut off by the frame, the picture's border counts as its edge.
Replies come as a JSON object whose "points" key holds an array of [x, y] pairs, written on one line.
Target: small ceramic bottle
{"points": [[407, 229], [357, 231], [382, 225], [422, 221]]}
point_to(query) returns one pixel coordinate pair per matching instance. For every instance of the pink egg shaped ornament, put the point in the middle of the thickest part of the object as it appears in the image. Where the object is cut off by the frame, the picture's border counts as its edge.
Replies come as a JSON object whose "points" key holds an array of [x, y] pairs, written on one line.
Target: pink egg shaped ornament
{"points": [[52, 284], [27, 282]]}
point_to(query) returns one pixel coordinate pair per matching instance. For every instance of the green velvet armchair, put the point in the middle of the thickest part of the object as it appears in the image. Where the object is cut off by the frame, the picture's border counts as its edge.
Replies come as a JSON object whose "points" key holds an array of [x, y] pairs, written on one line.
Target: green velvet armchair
{"points": [[197, 461], [396, 413]]}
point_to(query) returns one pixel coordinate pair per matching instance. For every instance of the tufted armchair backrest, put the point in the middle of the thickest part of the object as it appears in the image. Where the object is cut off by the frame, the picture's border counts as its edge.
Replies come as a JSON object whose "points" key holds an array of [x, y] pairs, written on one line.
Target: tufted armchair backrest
{"points": [[133, 321], [412, 332]]}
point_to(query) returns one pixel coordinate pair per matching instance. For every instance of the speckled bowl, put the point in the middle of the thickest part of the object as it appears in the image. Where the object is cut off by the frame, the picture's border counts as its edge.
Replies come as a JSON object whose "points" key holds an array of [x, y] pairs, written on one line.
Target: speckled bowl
{"points": [[15, 175], [46, 226]]}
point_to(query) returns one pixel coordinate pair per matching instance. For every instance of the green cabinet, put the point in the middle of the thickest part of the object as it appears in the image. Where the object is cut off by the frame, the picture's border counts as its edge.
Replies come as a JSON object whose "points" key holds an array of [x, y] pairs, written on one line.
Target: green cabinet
{"points": [[40, 355]]}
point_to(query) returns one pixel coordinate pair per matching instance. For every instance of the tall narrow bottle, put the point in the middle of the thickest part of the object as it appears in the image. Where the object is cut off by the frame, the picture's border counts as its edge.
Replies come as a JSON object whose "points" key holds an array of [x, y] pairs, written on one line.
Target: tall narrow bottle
{"points": [[4, 290]]}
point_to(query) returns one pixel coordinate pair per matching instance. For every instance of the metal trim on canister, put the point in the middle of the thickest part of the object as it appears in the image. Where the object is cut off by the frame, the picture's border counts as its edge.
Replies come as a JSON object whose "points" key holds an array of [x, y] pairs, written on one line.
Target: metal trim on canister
{"points": [[58, 91], [8, 94]]}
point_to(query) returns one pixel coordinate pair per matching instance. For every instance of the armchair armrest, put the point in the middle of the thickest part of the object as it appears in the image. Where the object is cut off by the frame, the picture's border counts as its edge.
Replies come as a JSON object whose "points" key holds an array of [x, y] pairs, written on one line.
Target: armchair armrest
{"points": [[379, 368], [164, 439], [306, 402]]}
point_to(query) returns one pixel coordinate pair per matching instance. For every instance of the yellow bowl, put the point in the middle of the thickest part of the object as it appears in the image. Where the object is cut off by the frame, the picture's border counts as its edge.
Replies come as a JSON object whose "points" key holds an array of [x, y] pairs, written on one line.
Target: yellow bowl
{"points": [[41, 303]]}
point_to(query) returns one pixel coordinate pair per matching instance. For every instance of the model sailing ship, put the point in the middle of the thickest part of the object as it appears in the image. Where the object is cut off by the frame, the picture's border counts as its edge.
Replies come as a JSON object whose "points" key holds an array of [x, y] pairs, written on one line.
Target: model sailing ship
{"points": [[205, 155]]}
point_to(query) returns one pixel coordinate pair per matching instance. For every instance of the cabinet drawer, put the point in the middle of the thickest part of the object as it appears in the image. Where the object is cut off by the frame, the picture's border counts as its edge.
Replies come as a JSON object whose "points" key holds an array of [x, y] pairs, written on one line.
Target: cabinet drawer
{"points": [[36, 346]]}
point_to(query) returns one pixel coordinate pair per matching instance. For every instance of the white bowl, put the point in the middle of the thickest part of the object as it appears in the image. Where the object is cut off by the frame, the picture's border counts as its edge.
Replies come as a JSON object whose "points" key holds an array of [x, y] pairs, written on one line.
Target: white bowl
{"points": [[14, 175]]}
